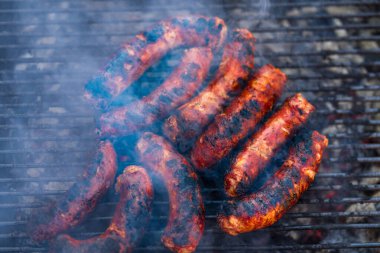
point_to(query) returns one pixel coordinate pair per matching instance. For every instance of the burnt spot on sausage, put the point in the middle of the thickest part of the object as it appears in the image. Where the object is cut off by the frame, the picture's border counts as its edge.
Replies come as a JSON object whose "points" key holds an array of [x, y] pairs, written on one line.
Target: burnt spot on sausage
{"points": [[207, 41], [147, 136], [135, 116], [231, 126], [212, 27], [165, 99], [172, 163], [147, 109], [188, 77], [210, 117], [231, 207], [245, 113], [248, 208], [193, 67], [153, 147], [261, 203], [241, 82], [200, 25], [300, 111], [294, 174], [97, 87], [273, 198], [185, 23], [180, 238], [253, 105], [178, 91], [139, 43], [248, 48], [236, 124], [286, 183], [154, 34], [247, 68], [211, 139], [307, 147]]}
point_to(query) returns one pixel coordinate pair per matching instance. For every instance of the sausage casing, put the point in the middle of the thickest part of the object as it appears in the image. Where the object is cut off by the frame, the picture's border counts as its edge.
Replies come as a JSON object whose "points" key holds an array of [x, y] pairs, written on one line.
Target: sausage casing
{"points": [[80, 199], [186, 215], [281, 192], [148, 47], [190, 119], [131, 216], [179, 87], [239, 118], [261, 147]]}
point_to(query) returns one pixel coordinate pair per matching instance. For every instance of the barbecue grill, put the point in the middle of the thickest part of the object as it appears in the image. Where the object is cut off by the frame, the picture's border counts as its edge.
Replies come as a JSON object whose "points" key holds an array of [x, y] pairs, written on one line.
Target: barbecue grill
{"points": [[329, 50]]}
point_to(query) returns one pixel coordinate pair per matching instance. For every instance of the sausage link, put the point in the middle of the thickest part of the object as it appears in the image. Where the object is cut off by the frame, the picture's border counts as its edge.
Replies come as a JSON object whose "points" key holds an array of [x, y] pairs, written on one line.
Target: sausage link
{"points": [[266, 206], [190, 119], [148, 47], [261, 147], [239, 118], [179, 87], [131, 216], [186, 215], [81, 198]]}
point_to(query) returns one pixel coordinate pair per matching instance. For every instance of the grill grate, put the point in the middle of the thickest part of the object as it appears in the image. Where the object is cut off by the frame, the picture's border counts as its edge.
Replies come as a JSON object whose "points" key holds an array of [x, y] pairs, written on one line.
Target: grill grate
{"points": [[329, 49]]}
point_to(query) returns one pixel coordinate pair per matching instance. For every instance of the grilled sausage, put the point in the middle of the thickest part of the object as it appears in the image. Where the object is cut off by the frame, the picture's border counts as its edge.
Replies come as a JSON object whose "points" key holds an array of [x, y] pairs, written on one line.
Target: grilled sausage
{"points": [[180, 86], [81, 198], [267, 205], [191, 118], [186, 215], [261, 147], [239, 118], [131, 216], [148, 47]]}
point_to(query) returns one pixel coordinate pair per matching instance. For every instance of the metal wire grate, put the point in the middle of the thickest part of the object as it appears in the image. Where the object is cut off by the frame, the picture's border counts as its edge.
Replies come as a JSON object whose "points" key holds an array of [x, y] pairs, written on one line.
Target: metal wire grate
{"points": [[329, 50]]}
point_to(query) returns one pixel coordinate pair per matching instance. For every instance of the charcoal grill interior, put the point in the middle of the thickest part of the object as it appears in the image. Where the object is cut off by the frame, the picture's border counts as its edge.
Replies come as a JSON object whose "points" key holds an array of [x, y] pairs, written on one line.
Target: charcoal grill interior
{"points": [[329, 50]]}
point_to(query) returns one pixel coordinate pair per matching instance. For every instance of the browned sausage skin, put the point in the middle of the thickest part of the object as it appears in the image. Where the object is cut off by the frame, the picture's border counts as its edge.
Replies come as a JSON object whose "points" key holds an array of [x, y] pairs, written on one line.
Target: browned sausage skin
{"points": [[81, 198], [191, 118], [148, 47], [179, 87], [266, 206], [239, 118], [131, 216], [261, 147], [186, 215]]}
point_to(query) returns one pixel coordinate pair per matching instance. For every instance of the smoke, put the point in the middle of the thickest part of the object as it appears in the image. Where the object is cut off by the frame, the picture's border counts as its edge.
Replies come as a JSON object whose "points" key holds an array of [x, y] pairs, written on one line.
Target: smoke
{"points": [[264, 7], [70, 42], [57, 50]]}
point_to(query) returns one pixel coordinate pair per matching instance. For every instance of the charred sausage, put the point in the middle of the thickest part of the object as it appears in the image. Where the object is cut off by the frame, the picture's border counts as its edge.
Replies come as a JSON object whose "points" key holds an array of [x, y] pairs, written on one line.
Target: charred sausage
{"points": [[131, 216], [191, 118], [239, 118], [261, 147], [179, 87], [148, 47], [266, 206], [81, 198], [186, 215]]}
